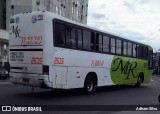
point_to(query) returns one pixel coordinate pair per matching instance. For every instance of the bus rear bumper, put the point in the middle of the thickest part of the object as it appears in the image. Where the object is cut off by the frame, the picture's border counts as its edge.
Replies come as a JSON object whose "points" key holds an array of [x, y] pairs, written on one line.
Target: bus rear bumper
{"points": [[34, 80]]}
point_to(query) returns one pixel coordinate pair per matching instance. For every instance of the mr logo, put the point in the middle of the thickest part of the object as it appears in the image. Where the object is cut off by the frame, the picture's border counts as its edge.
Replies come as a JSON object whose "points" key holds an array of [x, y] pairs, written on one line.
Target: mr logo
{"points": [[125, 68], [15, 30]]}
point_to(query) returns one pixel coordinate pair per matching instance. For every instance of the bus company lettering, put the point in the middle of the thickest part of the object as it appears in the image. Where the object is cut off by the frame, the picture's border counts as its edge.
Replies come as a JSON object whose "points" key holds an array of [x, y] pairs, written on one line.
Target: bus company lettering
{"points": [[127, 68], [16, 31], [58, 60], [97, 63], [31, 40]]}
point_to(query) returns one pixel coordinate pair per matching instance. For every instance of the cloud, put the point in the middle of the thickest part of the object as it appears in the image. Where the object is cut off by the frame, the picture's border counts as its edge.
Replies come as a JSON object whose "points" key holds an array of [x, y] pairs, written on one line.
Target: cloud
{"points": [[132, 19], [129, 5], [98, 16], [103, 6]]}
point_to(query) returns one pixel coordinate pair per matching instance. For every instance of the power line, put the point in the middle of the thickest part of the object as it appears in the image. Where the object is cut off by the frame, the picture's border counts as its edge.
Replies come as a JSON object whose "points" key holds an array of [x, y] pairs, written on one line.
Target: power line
{"points": [[155, 29]]}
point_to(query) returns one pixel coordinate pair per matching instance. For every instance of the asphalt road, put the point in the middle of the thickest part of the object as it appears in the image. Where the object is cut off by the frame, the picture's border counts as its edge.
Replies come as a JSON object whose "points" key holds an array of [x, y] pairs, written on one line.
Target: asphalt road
{"points": [[113, 95]]}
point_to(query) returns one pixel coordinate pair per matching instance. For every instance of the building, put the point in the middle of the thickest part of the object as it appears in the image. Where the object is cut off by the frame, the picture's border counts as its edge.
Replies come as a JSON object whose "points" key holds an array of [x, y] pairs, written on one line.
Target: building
{"points": [[3, 32], [75, 10]]}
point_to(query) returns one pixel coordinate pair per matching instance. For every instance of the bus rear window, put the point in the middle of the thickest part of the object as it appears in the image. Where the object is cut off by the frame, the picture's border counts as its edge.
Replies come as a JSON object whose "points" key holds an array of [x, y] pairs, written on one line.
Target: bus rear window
{"points": [[60, 34]]}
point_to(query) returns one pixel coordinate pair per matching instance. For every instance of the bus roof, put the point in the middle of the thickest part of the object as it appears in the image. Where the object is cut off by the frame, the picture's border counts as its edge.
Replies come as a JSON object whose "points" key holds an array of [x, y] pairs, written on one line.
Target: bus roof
{"points": [[56, 16]]}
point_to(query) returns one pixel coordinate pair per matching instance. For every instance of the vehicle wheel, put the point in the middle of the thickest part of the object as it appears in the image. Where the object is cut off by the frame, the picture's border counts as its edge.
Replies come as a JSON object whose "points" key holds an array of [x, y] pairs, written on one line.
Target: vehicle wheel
{"points": [[89, 85], [139, 81], [159, 98]]}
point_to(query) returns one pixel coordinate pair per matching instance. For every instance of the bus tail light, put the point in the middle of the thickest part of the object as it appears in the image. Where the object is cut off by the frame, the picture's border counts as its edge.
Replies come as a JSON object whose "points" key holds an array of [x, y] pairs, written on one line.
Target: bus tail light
{"points": [[45, 70]]}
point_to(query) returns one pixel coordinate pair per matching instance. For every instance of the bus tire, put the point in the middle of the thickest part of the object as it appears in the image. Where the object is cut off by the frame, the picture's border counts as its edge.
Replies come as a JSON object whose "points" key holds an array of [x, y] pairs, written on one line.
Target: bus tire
{"points": [[139, 81], [158, 71], [89, 85]]}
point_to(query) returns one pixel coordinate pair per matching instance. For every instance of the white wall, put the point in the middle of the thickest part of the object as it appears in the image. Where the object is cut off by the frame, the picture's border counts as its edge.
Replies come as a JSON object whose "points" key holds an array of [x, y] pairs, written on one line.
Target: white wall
{"points": [[4, 34]]}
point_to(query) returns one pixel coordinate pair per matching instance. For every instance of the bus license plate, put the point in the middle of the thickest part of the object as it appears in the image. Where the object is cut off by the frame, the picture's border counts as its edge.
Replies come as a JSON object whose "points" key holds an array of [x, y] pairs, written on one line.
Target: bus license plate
{"points": [[25, 80], [17, 56]]}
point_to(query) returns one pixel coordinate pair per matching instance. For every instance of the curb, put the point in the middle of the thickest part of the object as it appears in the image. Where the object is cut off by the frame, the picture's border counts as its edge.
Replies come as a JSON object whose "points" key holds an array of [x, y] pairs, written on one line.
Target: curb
{"points": [[2, 83], [156, 75], [5, 81]]}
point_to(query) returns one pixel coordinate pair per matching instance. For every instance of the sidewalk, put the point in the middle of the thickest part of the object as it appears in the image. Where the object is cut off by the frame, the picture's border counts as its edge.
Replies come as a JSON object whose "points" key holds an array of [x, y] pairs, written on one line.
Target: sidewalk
{"points": [[156, 75], [5, 81]]}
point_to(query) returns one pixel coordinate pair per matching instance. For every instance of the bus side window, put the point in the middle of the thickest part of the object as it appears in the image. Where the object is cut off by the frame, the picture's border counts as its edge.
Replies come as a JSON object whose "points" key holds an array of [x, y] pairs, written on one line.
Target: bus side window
{"points": [[99, 46], [134, 50], [129, 49], [86, 40], [113, 45], [119, 46], [60, 34], [80, 39], [139, 51], [105, 43], [70, 36], [150, 59], [125, 48], [92, 43], [145, 52]]}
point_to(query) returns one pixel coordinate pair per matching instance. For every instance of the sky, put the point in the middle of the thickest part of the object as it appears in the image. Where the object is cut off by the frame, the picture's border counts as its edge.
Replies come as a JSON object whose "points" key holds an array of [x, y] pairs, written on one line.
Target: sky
{"points": [[138, 20]]}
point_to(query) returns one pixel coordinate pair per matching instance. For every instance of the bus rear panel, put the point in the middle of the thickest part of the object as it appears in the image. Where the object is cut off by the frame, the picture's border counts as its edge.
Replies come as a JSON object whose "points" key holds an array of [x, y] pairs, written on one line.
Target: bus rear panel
{"points": [[26, 42]]}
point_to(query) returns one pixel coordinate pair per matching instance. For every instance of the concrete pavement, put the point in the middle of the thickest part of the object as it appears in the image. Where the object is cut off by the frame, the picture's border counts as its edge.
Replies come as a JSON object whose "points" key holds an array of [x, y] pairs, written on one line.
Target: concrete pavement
{"points": [[5, 81]]}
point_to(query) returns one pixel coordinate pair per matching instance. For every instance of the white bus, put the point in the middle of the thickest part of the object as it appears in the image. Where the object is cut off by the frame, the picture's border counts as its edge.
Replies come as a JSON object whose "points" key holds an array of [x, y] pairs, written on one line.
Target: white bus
{"points": [[50, 51]]}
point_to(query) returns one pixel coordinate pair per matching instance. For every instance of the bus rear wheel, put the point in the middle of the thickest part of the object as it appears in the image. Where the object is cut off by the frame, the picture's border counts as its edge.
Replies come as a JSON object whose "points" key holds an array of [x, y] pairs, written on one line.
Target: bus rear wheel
{"points": [[89, 85], [139, 81]]}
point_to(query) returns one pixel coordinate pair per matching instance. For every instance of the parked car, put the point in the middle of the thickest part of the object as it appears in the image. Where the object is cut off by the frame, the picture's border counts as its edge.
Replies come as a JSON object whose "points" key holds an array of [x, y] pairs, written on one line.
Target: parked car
{"points": [[3, 73], [4, 70]]}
